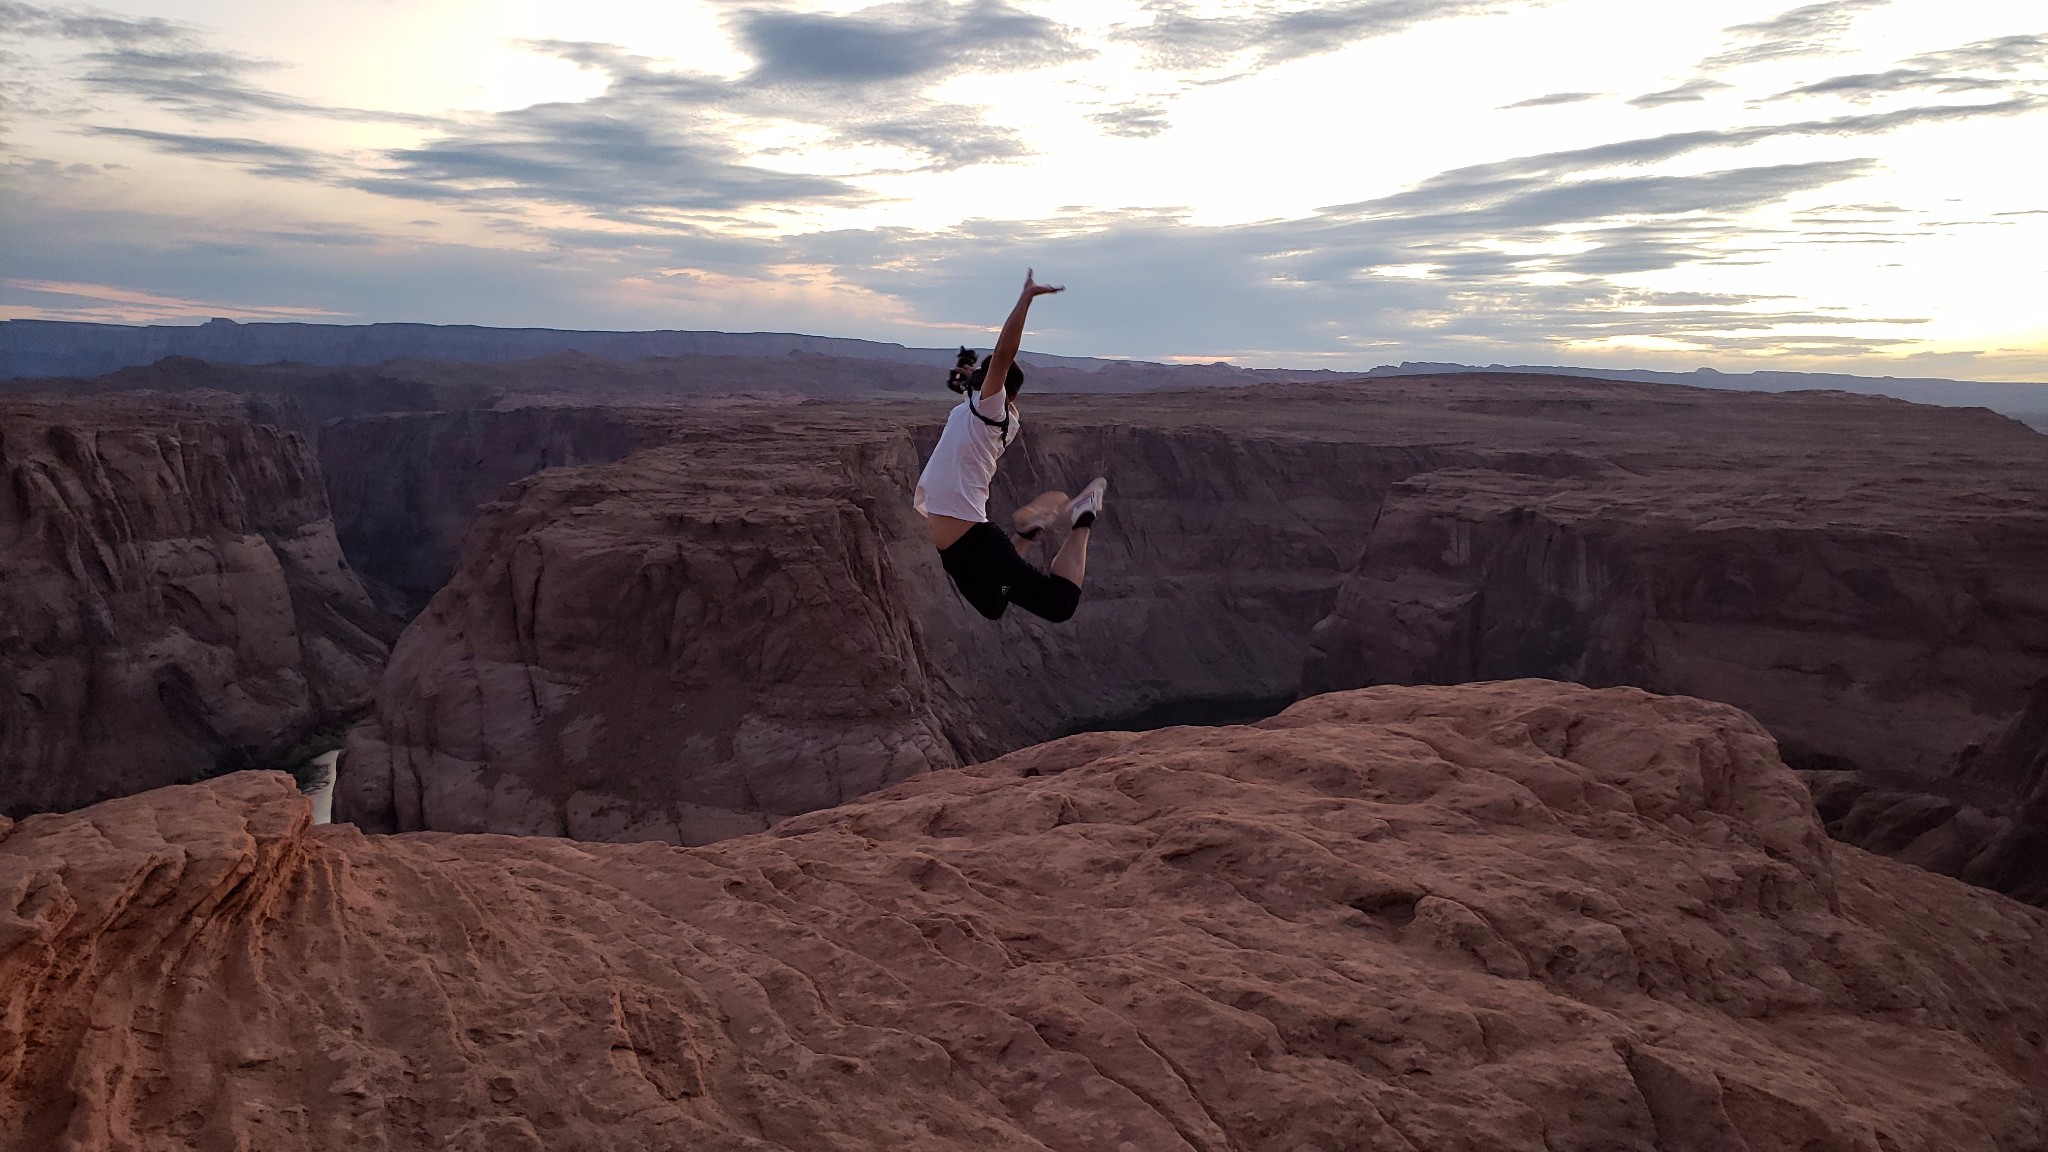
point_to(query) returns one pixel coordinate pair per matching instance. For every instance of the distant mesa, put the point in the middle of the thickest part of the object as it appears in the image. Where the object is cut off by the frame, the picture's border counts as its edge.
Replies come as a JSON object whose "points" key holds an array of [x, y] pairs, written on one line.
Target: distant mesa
{"points": [[48, 348]]}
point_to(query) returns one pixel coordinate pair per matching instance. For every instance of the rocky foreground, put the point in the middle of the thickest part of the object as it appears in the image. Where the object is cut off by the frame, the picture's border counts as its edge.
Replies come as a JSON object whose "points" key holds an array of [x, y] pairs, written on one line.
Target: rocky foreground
{"points": [[1514, 916]]}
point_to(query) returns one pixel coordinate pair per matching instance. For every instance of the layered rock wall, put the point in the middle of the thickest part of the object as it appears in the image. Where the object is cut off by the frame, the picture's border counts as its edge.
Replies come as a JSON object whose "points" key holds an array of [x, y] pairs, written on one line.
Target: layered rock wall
{"points": [[1870, 628], [1202, 586], [173, 601], [1877, 603], [1513, 916]]}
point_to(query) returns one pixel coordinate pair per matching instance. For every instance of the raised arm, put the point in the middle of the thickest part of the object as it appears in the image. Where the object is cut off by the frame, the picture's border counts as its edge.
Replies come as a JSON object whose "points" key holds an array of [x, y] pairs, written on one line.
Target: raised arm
{"points": [[1012, 338]]}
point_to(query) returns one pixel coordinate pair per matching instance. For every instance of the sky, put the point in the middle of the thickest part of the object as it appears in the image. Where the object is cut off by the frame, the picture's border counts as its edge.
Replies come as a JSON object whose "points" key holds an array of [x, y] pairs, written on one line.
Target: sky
{"points": [[1850, 185]]}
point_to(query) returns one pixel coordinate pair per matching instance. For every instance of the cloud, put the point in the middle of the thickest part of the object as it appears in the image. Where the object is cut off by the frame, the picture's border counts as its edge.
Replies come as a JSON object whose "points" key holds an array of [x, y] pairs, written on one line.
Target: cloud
{"points": [[910, 41], [659, 140], [1650, 149], [29, 20], [1140, 120], [618, 155], [1180, 38], [1519, 258], [1464, 250], [1694, 89], [1315, 285], [126, 306], [1553, 99], [212, 85], [169, 64], [1810, 30], [1984, 65], [253, 155]]}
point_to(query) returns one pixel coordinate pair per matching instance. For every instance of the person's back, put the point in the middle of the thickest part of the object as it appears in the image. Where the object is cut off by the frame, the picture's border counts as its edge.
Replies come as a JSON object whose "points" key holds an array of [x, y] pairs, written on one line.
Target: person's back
{"points": [[956, 480]]}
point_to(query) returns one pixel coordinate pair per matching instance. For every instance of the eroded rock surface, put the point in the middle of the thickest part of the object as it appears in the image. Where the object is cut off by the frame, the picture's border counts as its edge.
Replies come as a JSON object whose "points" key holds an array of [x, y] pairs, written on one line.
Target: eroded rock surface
{"points": [[173, 600], [1511, 916]]}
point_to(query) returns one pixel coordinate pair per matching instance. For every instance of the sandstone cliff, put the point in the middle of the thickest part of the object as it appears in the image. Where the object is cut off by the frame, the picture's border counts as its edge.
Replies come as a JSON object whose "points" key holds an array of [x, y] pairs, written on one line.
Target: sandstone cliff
{"points": [[173, 601], [682, 647], [1206, 596], [1516, 916], [1885, 625]]}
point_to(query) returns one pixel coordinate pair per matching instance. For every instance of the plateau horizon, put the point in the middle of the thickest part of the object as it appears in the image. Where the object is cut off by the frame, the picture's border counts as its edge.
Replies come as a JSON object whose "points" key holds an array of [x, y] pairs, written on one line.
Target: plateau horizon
{"points": [[42, 348]]}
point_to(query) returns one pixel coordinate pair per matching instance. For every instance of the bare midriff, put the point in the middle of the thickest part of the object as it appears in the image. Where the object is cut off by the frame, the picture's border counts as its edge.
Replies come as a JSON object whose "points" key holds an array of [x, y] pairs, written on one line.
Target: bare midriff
{"points": [[947, 530]]}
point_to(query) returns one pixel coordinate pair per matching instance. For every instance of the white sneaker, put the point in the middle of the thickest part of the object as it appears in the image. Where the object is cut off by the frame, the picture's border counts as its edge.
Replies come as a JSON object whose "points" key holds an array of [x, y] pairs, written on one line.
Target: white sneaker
{"points": [[1088, 504]]}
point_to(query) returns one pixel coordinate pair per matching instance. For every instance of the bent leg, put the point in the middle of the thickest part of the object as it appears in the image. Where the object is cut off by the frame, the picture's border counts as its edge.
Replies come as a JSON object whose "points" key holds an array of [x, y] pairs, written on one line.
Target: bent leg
{"points": [[1072, 562], [1051, 598]]}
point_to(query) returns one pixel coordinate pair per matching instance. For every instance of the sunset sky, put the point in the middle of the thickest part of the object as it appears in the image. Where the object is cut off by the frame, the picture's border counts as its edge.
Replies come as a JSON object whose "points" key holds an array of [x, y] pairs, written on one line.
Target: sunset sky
{"points": [[1852, 185]]}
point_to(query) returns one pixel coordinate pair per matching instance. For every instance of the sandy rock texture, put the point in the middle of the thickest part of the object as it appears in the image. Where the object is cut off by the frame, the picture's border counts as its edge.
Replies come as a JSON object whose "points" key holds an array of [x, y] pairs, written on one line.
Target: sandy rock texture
{"points": [[173, 600], [1522, 915]]}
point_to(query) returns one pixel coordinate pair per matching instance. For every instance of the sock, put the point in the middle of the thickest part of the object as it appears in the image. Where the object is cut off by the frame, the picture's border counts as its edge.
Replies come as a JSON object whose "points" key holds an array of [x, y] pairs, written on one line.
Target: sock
{"points": [[1085, 520]]}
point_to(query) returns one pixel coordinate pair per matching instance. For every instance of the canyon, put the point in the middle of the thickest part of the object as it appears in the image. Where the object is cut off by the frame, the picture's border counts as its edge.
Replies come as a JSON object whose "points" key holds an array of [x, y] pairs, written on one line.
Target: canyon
{"points": [[1877, 603], [699, 609], [1522, 915], [1604, 689]]}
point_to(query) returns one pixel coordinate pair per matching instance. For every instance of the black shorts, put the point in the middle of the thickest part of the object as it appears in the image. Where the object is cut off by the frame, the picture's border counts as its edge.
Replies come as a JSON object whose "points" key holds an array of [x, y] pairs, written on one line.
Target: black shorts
{"points": [[991, 575]]}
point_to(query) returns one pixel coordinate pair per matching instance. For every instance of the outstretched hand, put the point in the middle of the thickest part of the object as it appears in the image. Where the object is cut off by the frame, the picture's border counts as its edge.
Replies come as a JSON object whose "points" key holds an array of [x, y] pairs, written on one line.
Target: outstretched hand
{"points": [[1032, 288]]}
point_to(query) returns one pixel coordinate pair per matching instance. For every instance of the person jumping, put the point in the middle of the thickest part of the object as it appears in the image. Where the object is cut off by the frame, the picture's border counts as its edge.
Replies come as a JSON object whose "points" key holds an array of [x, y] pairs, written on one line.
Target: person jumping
{"points": [[986, 565]]}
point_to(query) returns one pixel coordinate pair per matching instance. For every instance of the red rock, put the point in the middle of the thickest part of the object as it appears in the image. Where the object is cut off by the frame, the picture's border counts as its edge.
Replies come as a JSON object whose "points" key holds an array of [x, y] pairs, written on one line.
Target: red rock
{"points": [[172, 596], [1508, 916]]}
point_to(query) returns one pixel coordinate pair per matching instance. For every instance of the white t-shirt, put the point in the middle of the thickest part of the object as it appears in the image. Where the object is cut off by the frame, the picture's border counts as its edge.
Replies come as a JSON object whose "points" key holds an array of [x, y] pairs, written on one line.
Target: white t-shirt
{"points": [[956, 479]]}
